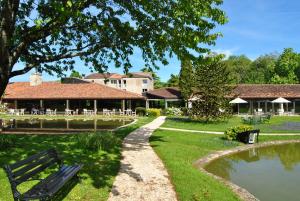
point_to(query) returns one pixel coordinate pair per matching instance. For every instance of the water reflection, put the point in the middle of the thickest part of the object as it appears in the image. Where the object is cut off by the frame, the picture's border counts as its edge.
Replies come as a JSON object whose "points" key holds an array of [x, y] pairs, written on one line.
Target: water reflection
{"points": [[64, 124], [270, 173]]}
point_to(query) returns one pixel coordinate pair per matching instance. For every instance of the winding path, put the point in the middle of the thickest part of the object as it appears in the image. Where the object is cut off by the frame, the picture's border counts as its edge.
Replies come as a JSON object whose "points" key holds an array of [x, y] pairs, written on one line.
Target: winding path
{"points": [[142, 175]]}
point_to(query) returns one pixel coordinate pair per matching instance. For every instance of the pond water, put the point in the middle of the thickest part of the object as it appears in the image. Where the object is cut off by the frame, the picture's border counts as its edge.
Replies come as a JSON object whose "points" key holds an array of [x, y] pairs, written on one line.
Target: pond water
{"points": [[269, 173], [65, 124]]}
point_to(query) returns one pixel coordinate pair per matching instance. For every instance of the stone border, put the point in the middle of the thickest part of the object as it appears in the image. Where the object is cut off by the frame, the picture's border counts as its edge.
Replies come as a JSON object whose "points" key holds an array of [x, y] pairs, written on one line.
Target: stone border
{"points": [[241, 192]]}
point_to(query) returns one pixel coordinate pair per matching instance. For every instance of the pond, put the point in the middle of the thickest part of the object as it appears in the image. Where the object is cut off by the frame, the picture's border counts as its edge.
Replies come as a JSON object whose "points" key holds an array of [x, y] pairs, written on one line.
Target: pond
{"points": [[64, 124], [269, 173]]}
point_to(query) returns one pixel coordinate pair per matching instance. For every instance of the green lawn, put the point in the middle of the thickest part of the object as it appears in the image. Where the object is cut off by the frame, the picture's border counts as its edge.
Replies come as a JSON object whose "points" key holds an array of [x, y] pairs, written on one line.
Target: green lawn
{"points": [[179, 150], [97, 175], [274, 126]]}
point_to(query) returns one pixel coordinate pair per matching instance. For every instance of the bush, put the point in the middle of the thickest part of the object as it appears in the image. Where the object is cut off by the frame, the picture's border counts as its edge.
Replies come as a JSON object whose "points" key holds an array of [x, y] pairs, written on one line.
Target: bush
{"points": [[153, 112], [98, 141], [185, 111], [141, 111], [231, 133], [173, 111], [7, 141]]}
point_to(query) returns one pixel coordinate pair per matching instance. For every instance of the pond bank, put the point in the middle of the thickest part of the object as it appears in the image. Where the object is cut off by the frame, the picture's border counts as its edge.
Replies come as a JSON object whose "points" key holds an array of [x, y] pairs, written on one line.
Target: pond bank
{"points": [[241, 192]]}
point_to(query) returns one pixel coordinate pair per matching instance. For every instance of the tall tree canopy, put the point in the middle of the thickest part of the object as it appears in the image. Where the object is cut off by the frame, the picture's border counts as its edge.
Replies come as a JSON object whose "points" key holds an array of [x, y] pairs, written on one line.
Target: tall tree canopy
{"points": [[173, 81], [48, 35], [211, 87], [186, 79], [286, 68], [238, 67]]}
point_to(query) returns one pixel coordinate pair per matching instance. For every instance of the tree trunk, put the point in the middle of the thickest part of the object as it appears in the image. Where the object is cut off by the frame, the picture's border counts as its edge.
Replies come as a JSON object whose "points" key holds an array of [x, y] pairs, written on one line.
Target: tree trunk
{"points": [[3, 83]]}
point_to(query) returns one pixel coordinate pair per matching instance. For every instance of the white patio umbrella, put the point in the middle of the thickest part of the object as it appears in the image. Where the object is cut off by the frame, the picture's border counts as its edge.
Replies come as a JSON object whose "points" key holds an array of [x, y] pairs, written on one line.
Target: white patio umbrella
{"points": [[238, 101], [281, 100]]}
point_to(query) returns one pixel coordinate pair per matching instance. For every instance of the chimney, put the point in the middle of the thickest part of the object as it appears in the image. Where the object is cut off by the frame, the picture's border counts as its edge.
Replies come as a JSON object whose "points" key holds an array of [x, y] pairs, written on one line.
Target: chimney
{"points": [[35, 79]]}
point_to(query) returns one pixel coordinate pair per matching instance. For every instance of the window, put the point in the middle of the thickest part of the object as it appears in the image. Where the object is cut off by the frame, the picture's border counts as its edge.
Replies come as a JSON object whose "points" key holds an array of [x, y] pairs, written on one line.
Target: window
{"points": [[113, 81], [145, 81]]}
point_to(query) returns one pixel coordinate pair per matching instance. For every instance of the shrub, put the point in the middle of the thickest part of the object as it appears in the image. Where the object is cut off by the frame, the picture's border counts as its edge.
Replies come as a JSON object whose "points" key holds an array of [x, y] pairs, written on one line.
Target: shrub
{"points": [[185, 111], [98, 141], [7, 141], [153, 112], [141, 111], [173, 111], [231, 133]]}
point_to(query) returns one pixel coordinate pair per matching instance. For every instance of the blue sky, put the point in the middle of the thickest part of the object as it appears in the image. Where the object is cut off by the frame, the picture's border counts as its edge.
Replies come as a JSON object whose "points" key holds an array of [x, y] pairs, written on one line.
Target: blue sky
{"points": [[255, 27]]}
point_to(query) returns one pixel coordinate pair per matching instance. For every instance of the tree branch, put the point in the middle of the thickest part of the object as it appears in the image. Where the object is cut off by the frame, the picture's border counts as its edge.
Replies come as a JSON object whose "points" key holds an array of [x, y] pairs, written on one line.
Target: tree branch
{"points": [[26, 69]]}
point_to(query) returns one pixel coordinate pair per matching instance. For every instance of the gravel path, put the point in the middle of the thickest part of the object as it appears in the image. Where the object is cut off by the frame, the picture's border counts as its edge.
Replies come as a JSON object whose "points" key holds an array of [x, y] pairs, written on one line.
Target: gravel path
{"points": [[142, 175]]}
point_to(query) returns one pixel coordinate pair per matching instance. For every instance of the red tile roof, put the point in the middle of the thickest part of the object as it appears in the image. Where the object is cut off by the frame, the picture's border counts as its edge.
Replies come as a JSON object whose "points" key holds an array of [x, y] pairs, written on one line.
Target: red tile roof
{"points": [[267, 91], [164, 93], [57, 90]]}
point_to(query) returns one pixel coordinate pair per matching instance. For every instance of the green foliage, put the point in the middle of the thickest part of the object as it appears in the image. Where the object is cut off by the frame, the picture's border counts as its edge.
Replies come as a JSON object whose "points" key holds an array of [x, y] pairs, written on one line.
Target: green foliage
{"points": [[211, 87], [186, 79], [173, 81], [231, 133], [238, 66], [152, 112], [286, 68], [75, 74], [266, 69], [7, 141], [103, 32], [141, 111], [97, 141]]}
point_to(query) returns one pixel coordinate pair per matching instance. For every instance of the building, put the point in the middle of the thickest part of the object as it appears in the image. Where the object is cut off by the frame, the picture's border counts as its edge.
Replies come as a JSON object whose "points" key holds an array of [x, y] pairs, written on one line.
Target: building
{"points": [[72, 94], [139, 82], [257, 96]]}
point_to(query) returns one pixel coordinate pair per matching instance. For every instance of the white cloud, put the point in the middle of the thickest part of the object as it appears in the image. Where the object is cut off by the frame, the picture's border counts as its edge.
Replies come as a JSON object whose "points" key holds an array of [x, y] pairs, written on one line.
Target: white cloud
{"points": [[226, 52]]}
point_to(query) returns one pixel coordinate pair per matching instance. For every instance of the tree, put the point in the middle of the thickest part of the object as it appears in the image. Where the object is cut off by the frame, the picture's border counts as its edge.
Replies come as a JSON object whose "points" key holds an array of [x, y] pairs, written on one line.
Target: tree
{"points": [[48, 35], [173, 81], [239, 67], [211, 89], [262, 69], [75, 74], [286, 68], [186, 79]]}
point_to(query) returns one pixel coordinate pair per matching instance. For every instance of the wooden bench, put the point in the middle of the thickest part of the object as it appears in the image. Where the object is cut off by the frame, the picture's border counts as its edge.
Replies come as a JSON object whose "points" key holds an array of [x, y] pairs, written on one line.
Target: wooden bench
{"points": [[30, 168]]}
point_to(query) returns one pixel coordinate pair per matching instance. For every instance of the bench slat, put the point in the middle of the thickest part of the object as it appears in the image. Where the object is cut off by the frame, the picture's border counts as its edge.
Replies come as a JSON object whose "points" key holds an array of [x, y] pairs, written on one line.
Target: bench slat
{"points": [[31, 158], [53, 183], [31, 166], [34, 172]]}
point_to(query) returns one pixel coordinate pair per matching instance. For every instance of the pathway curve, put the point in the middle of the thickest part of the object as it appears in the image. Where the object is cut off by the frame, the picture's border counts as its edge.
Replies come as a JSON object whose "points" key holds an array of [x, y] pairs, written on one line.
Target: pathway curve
{"points": [[222, 133], [142, 175]]}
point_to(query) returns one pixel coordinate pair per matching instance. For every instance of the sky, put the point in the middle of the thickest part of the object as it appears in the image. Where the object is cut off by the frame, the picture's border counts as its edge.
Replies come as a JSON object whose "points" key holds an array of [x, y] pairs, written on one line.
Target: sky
{"points": [[255, 27]]}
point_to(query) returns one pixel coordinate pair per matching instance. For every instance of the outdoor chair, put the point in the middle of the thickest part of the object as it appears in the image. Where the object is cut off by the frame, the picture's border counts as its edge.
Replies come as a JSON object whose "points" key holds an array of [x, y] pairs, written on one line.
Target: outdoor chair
{"points": [[54, 112], [121, 112], [68, 112], [48, 112], [133, 113], [11, 111], [106, 112], [85, 112], [22, 111]]}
